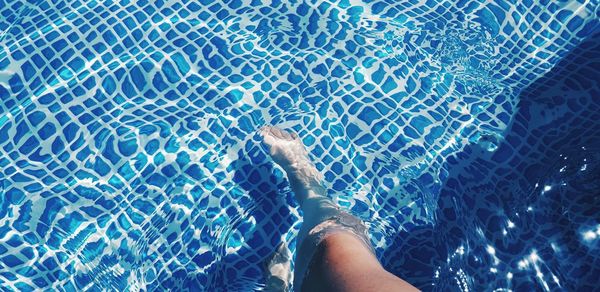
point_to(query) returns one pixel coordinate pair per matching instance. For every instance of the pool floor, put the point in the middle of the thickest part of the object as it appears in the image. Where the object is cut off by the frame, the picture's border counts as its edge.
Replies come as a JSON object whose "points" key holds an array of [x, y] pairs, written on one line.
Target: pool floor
{"points": [[464, 133]]}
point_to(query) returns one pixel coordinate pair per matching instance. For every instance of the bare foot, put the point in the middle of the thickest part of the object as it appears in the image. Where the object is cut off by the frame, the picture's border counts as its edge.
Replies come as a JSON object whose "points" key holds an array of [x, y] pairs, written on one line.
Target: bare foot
{"points": [[288, 151]]}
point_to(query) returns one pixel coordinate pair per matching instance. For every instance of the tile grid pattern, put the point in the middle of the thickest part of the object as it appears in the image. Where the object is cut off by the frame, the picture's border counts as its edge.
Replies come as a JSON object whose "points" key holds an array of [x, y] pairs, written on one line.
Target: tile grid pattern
{"points": [[129, 154]]}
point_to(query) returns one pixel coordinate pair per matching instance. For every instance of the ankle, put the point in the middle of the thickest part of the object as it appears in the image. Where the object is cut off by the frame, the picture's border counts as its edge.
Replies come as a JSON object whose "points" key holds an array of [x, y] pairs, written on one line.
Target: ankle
{"points": [[304, 174], [305, 187]]}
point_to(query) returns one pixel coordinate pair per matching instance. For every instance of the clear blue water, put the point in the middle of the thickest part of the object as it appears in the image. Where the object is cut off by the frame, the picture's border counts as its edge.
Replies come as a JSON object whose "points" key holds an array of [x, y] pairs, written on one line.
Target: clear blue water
{"points": [[466, 135]]}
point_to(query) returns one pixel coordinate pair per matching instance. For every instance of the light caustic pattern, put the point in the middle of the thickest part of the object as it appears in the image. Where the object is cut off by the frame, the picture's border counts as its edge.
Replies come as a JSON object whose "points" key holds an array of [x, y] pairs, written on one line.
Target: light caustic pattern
{"points": [[129, 153]]}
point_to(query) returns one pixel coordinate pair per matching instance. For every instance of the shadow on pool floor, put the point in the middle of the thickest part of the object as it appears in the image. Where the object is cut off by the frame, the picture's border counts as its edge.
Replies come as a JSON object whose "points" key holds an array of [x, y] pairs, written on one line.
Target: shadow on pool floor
{"points": [[512, 219]]}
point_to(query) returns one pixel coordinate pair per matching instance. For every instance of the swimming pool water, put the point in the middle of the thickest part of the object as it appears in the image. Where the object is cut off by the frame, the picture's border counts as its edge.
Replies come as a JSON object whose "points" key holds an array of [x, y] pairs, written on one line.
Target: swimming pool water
{"points": [[465, 133]]}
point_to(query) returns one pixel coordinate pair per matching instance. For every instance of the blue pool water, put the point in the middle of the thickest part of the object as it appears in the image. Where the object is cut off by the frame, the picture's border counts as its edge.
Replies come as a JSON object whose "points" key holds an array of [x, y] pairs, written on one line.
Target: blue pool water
{"points": [[466, 134]]}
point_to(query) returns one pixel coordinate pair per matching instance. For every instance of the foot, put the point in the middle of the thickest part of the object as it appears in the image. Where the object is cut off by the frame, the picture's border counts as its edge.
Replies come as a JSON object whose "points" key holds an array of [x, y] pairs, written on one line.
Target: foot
{"points": [[278, 270], [287, 151], [285, 147]]}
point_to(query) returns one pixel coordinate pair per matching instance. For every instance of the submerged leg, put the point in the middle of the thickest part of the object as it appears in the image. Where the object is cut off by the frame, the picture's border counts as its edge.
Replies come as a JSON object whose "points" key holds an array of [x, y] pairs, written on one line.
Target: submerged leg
{"points": [[334, 253]]}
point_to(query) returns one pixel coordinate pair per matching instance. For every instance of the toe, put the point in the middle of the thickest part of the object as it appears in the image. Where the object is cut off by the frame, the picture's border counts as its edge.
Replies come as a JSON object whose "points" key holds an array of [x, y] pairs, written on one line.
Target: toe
{"points": [[286, 135], [294, 135], [265, 130], [277, 133]]}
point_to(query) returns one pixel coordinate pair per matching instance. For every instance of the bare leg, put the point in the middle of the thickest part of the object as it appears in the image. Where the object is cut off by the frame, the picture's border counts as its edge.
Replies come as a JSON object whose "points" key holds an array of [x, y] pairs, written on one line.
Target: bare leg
{"points": [[342, 263], [333, 253]]}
